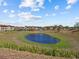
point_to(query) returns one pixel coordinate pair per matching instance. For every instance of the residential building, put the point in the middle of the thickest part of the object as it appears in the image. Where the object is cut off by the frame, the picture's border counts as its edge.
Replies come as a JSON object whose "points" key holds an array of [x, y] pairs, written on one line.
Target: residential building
{"points": [[6, 27]]}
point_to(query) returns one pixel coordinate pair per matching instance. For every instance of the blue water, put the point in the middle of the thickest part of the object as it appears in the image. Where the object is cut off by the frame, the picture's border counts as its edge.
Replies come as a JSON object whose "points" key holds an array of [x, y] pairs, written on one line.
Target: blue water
{"points": [[42, 38]]}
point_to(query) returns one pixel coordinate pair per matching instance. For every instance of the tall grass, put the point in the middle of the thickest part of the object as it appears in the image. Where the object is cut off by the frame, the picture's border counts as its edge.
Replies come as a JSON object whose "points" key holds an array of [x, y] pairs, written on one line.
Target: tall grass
{"points": [[41, 50]]}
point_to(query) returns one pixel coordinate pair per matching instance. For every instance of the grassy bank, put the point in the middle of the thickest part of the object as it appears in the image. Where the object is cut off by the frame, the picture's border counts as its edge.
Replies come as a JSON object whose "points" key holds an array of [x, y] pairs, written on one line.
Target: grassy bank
{"points": [[61, 44], [16, 40]]}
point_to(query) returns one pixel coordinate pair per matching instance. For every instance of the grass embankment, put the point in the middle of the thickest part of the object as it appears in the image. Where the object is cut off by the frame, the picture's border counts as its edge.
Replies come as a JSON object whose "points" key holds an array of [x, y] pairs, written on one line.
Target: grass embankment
{"points": [[16, 40], [61, 44]]}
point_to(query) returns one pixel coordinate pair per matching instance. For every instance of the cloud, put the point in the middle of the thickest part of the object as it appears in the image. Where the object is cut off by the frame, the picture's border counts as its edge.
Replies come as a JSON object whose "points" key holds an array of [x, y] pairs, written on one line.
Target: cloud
{"points": [[64, 12], [2, 2], [50, 0], [5, 4], [56, 7], [71, 1], [40, 3], [12, 11], [47, 14], [4, 23], [27, 3], [28, 16], [35, 9], [77, 18], [54, 14], [33, 4], [11, 15], [68, 7], [5, 11]]}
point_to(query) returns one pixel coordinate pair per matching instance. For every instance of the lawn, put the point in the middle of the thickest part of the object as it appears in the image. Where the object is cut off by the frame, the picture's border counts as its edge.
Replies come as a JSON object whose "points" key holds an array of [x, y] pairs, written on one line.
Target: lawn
{"points": [[16, 40]]}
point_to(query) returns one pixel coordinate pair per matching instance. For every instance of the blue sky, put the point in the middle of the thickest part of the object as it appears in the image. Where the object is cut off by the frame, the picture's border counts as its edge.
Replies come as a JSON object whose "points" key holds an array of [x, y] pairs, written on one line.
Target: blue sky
{"points": [[39, 12]]}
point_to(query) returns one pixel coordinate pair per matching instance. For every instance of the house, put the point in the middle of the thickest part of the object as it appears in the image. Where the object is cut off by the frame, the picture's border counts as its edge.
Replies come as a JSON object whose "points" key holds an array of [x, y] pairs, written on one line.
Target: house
{"points": [[32, 28], [48, 28], [16, 28], [6, 27]]}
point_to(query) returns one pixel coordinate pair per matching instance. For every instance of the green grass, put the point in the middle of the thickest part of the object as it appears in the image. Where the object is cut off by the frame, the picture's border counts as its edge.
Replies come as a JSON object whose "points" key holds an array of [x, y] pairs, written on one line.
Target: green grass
{"points": [[61, 44], [20, 43]]}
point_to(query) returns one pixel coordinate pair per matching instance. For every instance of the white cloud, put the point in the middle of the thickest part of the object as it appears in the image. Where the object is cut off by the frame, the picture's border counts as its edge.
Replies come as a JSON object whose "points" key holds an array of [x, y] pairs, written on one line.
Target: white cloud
{"points": [[5, 11], [32, 4], [2, 2], [5, 4], [50, 0], [64, 12], [12, 11], [56, 7], [28, 16], [11, 15], [47, 14], [40, 3], [71, 1], [77, 18], [68, 7], [35, 9], [27, 3], [54, 14], [2, 23]]}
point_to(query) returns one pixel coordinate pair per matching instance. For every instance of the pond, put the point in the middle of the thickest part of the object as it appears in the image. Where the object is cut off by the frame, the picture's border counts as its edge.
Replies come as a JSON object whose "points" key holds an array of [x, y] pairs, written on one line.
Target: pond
{"points": [[42, 38]]}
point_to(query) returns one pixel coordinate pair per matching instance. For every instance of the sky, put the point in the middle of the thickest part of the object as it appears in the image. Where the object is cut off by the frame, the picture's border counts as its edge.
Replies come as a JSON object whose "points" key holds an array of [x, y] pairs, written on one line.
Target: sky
{"points": [[39, 12]]}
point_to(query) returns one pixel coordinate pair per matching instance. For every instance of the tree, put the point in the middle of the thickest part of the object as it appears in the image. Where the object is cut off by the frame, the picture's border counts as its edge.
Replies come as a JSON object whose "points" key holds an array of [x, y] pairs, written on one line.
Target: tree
{"points": [[76, 25]]}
